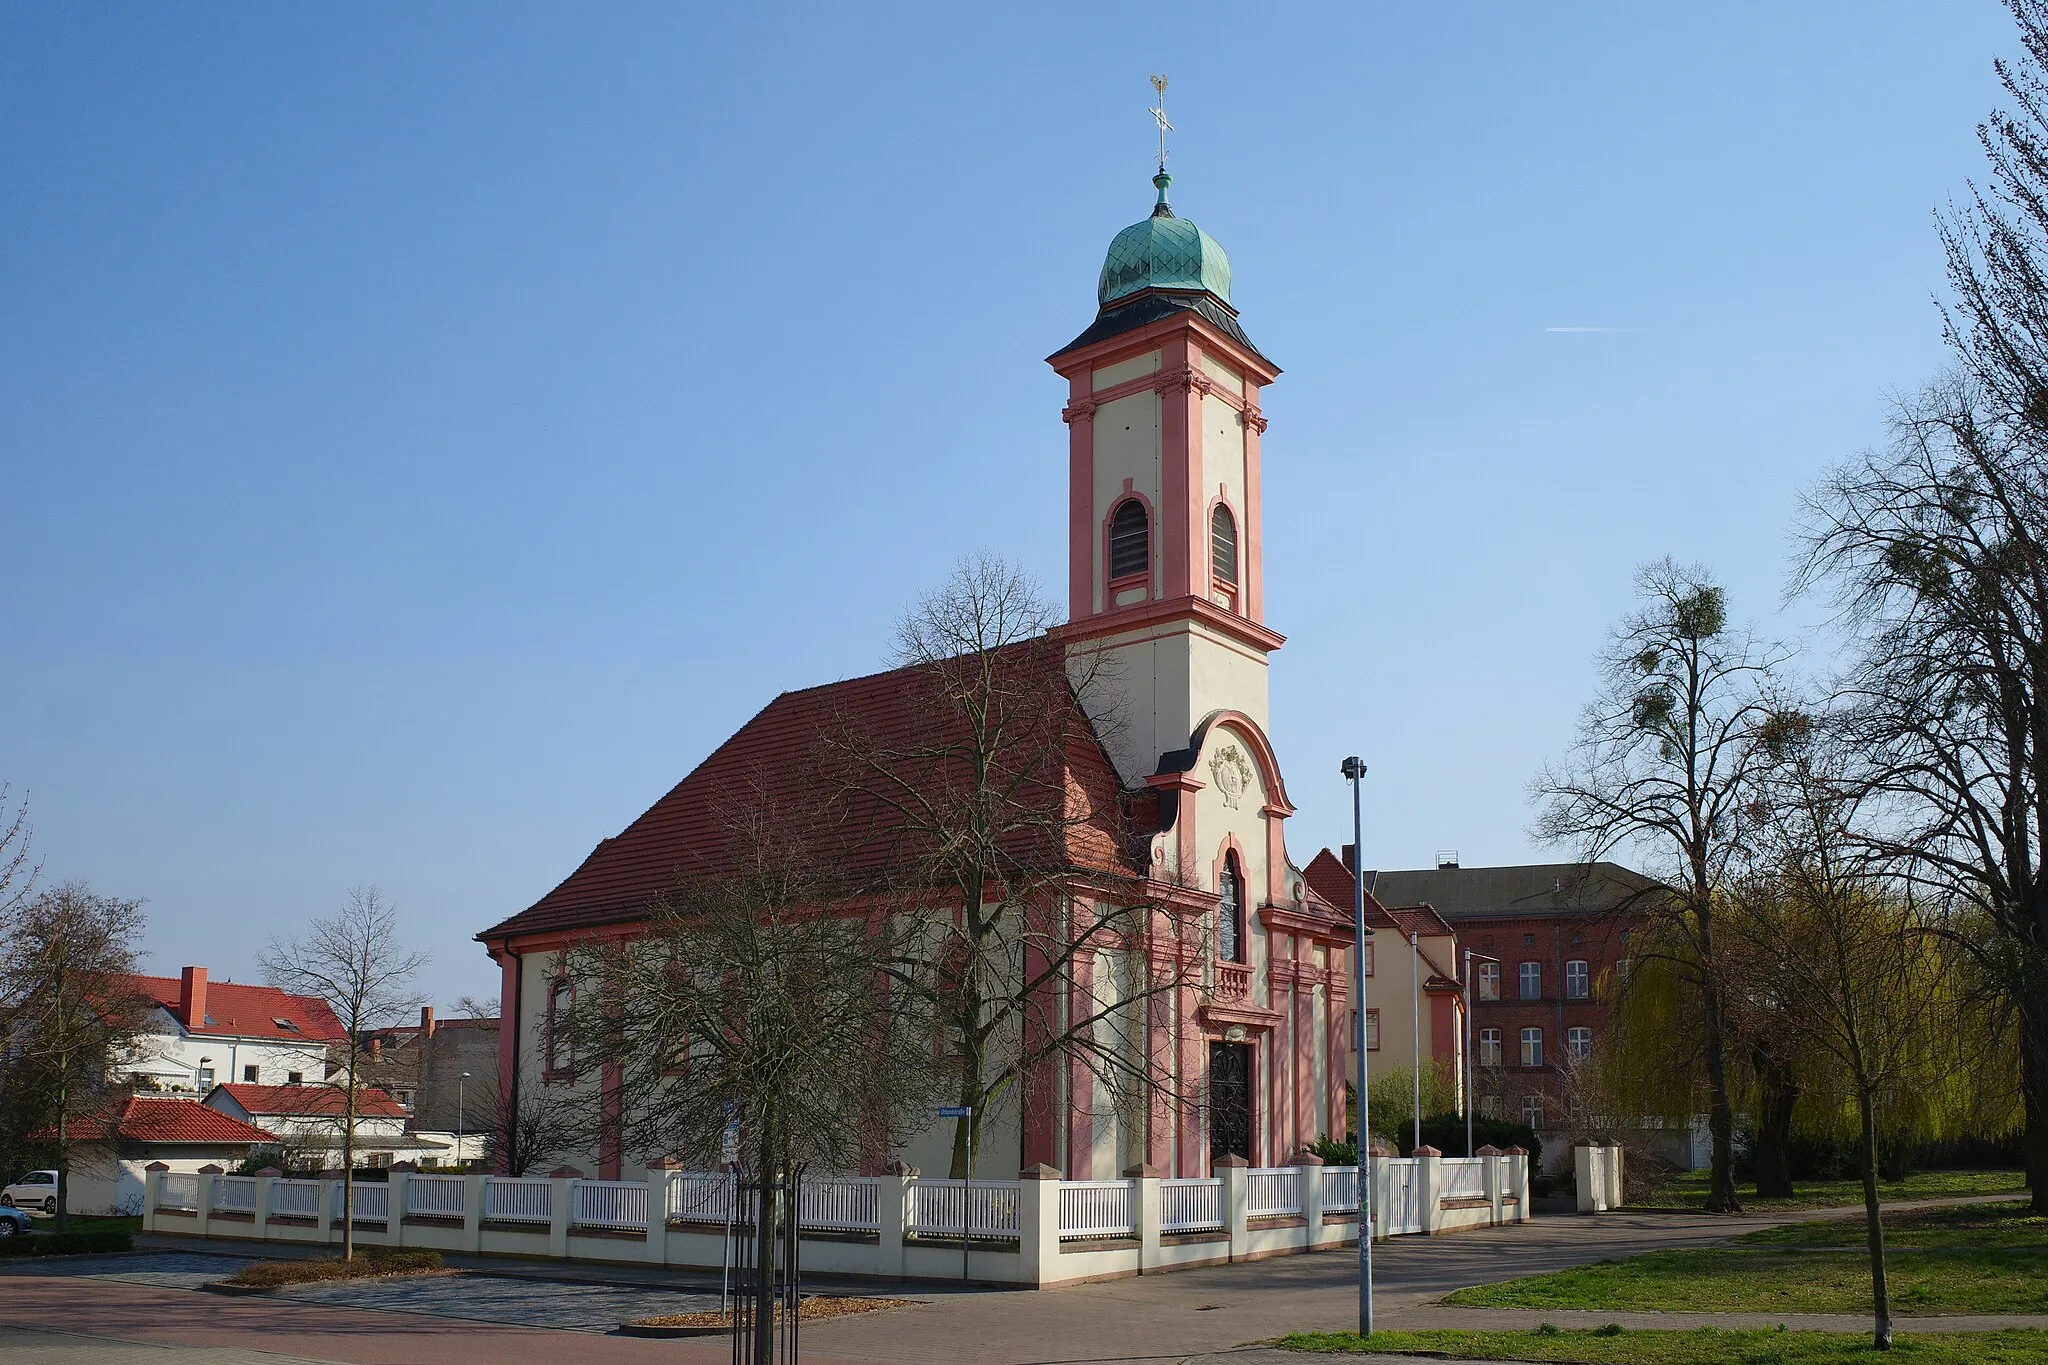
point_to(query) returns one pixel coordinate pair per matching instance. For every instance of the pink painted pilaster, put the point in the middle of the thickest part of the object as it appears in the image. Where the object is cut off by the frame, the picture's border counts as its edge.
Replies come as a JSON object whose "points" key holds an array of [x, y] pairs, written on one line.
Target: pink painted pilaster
{"points": [[1081, 509], [1041, 1080], [1340, 1050], [1180, 462], [1253, 570], [1160, 1132], [1305, 1124], [1194, 1075], [1080, 1080], [508, 1031]]}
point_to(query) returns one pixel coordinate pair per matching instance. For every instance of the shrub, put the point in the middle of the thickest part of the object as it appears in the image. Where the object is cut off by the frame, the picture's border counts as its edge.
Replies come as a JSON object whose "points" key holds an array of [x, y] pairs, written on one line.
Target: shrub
{"points": [[1335, 1152], [1446, 1133], [84, 1243]]}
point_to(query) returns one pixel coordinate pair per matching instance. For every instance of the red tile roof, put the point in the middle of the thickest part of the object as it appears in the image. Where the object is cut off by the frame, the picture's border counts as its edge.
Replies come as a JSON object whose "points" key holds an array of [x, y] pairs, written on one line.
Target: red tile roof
{"points": [[145, 1118], [325, 1101], [250, 1011], [776, 760], [1329, 878]]}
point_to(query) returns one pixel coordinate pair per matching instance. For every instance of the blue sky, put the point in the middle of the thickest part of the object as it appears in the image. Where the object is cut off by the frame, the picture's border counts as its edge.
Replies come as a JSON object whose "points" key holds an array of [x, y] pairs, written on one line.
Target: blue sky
{"points": [[425, 432]]}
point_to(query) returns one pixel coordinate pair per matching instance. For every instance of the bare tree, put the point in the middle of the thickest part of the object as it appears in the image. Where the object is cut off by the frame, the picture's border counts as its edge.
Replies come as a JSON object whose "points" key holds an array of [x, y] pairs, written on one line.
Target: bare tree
{"points": [[353, 960], [17, 873], [1004, 830], [1661, 766], [529, 1127], [70, 1013], [1842, 953], [757, 998]]}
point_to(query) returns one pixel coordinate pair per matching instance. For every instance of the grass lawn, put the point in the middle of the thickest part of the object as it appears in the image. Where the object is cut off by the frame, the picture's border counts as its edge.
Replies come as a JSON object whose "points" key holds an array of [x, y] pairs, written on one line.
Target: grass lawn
{"points": [[1706, 1346], [1689, 1190], [1983, 1259]]}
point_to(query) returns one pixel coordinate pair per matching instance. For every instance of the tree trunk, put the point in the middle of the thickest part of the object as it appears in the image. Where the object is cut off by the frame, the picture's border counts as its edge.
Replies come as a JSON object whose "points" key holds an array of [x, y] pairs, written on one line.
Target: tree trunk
{"points": [[1873, 1222], [1721, 1196], [1774, 1124], [63, 1157], [764, 1252]]}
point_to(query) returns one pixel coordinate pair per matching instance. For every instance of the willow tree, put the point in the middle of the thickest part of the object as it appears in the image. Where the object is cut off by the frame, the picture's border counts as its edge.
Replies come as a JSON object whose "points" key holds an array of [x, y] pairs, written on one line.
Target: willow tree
{"points": [[1660, 770]]}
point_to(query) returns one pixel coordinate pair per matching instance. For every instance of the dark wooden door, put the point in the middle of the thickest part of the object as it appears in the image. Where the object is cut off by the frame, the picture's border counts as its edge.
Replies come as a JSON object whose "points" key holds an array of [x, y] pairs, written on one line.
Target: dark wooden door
{"points": [[1230, 1100]]}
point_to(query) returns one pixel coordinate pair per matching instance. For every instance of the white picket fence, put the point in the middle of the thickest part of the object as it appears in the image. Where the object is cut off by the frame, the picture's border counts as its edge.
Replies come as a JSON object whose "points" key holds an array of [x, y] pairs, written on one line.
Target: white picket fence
{"points": [[1340, 1189], [1273, 1192], [610, 1204], [179, 1191], [1191, 1205], [700, 1196], [1096, 1208], [295, 1198], [372, 1201], [990, 1208], [518, 1200], [434, 1196], [840, 1204], [1403, 1213], [235, 1193], [1464, 1177]]}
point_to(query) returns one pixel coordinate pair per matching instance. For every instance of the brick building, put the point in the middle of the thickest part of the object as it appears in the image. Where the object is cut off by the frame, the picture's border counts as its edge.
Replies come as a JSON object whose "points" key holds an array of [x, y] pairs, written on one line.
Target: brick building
{"points": [[1558, 931]]}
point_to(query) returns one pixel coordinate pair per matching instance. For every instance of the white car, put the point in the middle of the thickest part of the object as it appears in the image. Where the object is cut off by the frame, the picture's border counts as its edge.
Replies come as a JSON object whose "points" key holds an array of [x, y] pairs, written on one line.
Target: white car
{"points": [[36, 1190]]}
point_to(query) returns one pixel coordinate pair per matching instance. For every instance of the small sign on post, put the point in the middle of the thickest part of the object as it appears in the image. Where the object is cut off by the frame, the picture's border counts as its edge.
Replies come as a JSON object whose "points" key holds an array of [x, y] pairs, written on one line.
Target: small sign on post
{"points": [[962, 1111]]}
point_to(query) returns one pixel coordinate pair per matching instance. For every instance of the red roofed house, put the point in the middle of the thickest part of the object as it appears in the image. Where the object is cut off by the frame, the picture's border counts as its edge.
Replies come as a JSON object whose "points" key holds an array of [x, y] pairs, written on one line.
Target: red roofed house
{"points": [[308, 1121], [108, 1163], [201, 1032], [1411, 977], [1166, 578]]}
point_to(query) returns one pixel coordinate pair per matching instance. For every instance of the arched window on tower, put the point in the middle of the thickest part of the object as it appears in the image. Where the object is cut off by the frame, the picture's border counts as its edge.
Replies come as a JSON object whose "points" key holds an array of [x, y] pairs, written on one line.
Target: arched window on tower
{"points": [[1223, 545], [1230, 913], [1130, 540]]}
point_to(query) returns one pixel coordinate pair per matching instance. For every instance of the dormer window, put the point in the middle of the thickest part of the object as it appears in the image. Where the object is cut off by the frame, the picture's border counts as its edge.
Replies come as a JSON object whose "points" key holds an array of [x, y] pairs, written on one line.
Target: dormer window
{"points": [[287, 1025], [1230, 913], [1130, 540], [1223, 545]]}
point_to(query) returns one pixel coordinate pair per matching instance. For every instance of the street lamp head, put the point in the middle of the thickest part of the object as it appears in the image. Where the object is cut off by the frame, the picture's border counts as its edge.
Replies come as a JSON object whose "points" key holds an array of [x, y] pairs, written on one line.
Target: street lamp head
{"points": [[1354, 768], [465, 1075]]}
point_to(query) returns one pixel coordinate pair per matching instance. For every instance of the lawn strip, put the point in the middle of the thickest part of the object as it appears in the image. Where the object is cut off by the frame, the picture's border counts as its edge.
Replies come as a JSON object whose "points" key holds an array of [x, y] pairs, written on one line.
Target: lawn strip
{"points": [[1689, 1190], [1701, 1346]]}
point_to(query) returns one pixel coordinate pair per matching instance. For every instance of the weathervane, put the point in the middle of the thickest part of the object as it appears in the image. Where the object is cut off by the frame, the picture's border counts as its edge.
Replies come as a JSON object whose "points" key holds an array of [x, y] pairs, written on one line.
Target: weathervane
{"points": [[1159, 113]]}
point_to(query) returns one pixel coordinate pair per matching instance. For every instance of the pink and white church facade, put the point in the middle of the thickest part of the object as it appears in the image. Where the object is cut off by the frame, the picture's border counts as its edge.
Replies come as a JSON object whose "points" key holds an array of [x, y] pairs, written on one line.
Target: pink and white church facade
{"points": [[1166, 579]]}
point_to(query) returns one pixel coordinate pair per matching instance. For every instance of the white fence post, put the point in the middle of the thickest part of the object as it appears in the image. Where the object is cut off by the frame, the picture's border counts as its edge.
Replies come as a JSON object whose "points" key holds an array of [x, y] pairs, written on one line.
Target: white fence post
{"points": [[562, 1184], [152, 1191], [1491, 1172], [892, 1217], [207, 1190], [1038, 1223], [1590, 1189], [394, 1204], [1518, 1182], [1309, 1167], [1429, 1183], [1232, 1171], [473, 1210], [1145, 1215], [658, 1181], [1615, 1197]]}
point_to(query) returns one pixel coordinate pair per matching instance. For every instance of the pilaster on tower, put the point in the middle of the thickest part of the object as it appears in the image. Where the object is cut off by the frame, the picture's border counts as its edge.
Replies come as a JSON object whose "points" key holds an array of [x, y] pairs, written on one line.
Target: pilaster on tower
{"points": [[1166, 572]]}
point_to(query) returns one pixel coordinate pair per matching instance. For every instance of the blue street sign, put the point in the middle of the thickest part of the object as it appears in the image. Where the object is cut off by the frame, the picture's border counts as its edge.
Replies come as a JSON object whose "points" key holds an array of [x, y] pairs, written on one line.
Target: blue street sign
{"points": [[956, 1111]]}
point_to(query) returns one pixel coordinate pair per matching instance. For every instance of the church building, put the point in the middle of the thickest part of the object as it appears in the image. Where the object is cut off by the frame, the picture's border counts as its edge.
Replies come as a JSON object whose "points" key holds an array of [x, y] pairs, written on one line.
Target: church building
{"points": [[1165, 577]]}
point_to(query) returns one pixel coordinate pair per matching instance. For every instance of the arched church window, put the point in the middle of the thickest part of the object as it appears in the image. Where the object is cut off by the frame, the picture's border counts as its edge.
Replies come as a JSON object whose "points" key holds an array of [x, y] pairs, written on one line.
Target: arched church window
{"points": [[1223, 545], [1230, 913], [561, 1051], [1130, 540]]}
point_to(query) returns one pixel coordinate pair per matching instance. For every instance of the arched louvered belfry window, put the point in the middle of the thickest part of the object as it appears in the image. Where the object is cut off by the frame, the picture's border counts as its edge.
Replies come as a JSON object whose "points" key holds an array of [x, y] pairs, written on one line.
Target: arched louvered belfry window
{"points": [[1130, 540], [1223, 545], [1230, 913]]}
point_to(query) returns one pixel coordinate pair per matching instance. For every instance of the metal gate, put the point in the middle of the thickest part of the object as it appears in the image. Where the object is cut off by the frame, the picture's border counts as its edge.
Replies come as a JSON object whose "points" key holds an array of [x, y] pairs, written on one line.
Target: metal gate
{"points": [[1404, 1195]]}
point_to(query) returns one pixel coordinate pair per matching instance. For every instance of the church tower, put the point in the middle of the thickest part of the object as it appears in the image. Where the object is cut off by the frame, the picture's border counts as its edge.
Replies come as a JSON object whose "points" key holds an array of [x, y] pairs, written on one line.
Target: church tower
{"points": [[1165, 536]]}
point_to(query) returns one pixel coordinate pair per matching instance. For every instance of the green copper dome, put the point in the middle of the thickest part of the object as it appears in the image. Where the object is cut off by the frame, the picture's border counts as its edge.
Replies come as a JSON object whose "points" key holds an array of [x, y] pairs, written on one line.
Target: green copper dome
{"points": [[1163, 252]]}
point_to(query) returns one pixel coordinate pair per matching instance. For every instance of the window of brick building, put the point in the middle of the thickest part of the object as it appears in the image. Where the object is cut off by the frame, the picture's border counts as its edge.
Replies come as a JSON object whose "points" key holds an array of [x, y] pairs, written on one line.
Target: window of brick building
{"points": [[1489, 1047], [1532, 1047], [1578, 980], [1532, 980], [1579, 1043], [1489, 981], [1532, 1110]]}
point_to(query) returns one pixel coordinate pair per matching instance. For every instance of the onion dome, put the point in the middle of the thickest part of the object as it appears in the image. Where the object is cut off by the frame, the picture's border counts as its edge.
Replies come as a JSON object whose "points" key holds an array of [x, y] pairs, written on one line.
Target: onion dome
{"points": [[1163, 252]]}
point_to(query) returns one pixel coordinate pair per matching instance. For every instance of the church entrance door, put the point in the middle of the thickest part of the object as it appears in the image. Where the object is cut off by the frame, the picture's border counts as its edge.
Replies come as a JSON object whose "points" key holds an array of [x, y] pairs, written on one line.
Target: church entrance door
{"points": [[1230, 1100]]}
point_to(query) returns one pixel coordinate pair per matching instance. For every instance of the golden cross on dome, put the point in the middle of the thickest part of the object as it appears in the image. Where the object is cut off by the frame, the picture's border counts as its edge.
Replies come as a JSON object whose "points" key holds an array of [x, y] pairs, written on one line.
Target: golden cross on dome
{"points": [[1159, 113]]}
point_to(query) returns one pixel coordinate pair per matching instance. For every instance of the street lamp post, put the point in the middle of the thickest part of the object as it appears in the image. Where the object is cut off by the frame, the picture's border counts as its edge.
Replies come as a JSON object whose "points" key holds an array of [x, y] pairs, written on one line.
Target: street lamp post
{"points": [[1354, 769], [1470, 958], [461, 1153]]}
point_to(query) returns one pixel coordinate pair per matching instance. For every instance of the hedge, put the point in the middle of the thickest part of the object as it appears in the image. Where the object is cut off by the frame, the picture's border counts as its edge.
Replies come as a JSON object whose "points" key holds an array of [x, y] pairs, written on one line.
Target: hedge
{"points": [[67, 1243]]}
